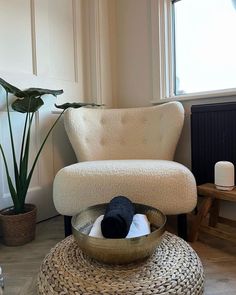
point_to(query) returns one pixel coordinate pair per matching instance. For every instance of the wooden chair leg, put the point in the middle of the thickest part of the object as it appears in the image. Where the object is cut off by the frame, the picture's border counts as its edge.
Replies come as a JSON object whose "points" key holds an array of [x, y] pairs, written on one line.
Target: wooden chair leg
{"points": [[182, 226], [67, 225], [214, 213], [205, 207]]}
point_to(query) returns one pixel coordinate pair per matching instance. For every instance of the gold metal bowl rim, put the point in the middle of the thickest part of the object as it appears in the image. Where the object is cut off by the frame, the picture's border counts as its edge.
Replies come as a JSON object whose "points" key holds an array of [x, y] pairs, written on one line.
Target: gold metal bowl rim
{"points": [[160, 229]]}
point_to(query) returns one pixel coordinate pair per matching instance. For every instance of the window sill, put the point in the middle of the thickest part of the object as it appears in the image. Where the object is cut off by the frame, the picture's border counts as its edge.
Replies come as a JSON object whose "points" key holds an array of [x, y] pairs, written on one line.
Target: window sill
{"points": [[199, 95]]}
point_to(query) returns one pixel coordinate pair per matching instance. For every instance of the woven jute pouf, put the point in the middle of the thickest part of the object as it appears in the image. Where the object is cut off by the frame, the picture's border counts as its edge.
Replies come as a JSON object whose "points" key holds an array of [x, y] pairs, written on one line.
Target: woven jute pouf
{"points": [[174, 268]]}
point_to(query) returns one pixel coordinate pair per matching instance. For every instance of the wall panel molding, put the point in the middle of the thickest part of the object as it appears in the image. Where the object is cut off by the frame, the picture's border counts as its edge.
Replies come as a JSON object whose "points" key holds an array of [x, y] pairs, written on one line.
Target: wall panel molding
{"points": [[15, 32], [99, 48], [103, 52], [42, 48], [55, 44], [33, 37], [75, 38], [155, 26]]}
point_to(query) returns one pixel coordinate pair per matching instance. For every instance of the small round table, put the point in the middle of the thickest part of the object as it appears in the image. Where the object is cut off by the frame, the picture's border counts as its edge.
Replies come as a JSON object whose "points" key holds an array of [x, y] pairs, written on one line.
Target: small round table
{"points": [[174, 268]]}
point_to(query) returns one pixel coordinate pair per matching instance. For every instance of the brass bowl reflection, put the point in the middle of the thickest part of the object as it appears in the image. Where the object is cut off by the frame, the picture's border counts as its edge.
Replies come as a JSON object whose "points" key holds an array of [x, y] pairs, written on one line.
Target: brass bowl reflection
{"points": [[117, 251]]}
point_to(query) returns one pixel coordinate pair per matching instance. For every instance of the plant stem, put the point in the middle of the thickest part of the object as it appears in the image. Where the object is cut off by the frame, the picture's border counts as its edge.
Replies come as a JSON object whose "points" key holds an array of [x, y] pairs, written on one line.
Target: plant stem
{"points": [[24, 132], [24, 165], [10, 185], [12, 144], [40, 149], [26, 150], [23, 138]]}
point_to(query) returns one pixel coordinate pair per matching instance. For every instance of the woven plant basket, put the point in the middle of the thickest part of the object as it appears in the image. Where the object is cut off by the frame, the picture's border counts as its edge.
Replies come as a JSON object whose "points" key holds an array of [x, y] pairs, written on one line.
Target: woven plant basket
{"points": [[18, 229]]}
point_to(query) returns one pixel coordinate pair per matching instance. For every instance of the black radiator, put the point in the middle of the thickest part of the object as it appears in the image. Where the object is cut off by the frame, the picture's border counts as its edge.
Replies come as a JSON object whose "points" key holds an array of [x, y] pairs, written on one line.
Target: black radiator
{"points": [[213, 138]]}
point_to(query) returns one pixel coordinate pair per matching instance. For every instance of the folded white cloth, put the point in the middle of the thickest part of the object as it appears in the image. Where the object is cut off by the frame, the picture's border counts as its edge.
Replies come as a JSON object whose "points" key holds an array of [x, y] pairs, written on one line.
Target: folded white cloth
{"points": [[96, 230], [140, 226]]}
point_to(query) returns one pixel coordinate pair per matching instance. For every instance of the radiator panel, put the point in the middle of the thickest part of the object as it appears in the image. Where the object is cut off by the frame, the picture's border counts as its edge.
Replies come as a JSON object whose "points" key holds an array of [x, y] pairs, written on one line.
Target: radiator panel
{"points": [[213, 138]]}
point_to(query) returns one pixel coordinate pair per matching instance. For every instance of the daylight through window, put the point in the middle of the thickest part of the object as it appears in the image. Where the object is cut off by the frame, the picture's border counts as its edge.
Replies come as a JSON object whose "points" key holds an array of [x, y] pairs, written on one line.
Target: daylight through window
{"points": [[205, 45]]}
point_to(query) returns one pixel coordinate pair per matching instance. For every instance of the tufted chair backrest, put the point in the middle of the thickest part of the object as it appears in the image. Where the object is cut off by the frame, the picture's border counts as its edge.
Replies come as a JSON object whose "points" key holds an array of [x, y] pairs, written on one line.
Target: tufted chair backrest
{"points": [[134, 133]]}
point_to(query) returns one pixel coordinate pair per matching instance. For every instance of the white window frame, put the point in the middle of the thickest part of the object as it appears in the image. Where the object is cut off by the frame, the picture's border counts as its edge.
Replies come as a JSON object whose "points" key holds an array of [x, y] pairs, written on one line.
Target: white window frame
{"points": [[163, 58]]}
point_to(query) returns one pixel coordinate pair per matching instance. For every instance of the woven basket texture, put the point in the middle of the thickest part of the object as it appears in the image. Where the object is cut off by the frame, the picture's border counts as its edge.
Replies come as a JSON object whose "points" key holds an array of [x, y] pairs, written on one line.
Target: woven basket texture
{"points": [[18, 229], [174, 268]]}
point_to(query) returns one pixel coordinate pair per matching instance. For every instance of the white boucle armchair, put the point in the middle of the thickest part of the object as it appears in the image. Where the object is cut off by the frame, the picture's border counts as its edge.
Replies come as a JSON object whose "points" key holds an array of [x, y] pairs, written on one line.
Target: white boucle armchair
{"points": [[125, 152]]}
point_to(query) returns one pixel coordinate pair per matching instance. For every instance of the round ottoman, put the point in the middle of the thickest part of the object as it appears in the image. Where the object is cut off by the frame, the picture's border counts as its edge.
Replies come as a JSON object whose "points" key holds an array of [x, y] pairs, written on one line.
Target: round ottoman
{"points": [[174, 268]]}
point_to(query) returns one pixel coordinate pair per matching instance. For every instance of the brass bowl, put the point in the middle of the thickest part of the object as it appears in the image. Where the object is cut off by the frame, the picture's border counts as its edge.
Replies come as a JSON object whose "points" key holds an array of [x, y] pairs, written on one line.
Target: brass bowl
{"points": [[117, 251]]}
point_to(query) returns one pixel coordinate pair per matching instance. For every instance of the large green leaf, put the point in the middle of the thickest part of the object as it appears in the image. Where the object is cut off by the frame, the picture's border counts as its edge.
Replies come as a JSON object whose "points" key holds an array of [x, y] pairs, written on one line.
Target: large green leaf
{"points": [[27, 104], [11, 89], [75, 105], [34, 92]]}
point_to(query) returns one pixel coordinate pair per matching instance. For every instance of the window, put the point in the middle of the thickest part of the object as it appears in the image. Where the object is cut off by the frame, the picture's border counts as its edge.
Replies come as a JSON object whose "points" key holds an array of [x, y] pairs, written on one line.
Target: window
{"points": [[205, 45], [197, 48]]}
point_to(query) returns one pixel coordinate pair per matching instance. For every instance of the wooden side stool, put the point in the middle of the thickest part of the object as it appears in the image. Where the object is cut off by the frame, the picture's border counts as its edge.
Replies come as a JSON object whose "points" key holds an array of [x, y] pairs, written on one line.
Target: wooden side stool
{"points": [[211, 204]]}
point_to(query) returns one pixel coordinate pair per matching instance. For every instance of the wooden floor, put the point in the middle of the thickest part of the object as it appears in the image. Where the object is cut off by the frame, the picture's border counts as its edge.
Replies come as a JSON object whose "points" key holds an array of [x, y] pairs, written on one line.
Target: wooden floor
{"points": [[219, 261], [21, 264]]}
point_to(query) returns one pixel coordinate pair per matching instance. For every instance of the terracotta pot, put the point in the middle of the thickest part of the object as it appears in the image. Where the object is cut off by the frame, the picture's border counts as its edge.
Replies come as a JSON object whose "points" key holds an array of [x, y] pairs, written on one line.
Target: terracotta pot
{"points": [[18, 229]]}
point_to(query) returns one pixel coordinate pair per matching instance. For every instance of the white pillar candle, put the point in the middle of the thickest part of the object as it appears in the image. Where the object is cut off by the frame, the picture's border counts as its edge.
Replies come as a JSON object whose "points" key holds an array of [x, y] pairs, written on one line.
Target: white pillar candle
{"points": [[224, 175]]}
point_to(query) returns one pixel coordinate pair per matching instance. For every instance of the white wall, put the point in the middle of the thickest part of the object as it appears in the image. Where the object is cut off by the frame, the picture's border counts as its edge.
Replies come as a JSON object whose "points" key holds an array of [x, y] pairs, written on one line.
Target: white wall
{"points": [[134, 72], [40, 47], [55, 44], [134, 80]]}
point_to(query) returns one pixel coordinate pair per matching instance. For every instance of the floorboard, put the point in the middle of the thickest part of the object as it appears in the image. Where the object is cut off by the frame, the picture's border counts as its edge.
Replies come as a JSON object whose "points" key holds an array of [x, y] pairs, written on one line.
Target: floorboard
{"points": [[21, 264]]}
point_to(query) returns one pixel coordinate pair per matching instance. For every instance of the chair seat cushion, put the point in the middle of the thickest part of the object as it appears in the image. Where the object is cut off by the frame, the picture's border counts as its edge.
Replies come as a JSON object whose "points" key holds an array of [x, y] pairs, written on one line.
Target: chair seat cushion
{"points": [[166, 185]]}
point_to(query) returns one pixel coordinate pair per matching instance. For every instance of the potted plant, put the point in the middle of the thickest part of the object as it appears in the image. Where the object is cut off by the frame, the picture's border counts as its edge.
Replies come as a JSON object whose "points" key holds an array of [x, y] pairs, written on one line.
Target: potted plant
{"points": [[18, 222]]}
